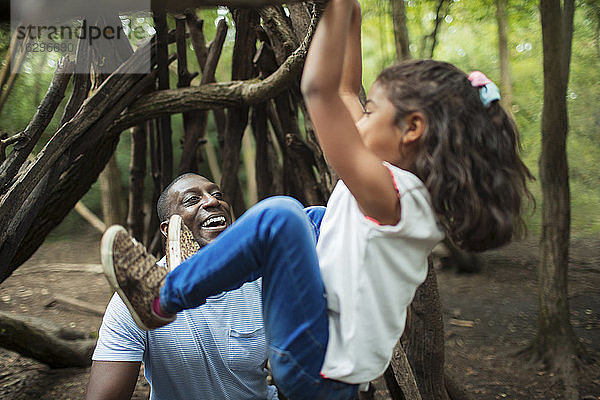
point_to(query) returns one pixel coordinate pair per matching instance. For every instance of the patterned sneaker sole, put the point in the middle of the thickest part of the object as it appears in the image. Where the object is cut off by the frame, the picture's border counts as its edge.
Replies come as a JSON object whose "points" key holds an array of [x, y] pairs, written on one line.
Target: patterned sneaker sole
{"points": [[174, 242], [181, 242], [107, 256]]}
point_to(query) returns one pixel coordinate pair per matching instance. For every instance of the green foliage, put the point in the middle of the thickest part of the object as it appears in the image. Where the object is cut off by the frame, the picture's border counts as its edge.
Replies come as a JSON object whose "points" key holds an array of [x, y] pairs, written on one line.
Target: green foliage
{"points": [[467, 37]]}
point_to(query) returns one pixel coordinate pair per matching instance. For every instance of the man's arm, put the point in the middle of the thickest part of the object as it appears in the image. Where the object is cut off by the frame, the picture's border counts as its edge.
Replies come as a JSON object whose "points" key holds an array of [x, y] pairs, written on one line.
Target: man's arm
{"points": [[112, 380]]}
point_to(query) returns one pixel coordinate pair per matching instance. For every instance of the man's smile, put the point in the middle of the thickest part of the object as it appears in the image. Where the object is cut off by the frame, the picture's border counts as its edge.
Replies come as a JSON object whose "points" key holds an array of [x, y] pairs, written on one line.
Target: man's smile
{"points": [[215, 221]]}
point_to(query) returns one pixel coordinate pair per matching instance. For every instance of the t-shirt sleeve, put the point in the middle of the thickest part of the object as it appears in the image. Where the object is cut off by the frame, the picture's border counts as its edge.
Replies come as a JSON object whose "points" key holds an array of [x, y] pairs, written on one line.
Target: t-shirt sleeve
{"points": [[417, 219], [119, 338]]}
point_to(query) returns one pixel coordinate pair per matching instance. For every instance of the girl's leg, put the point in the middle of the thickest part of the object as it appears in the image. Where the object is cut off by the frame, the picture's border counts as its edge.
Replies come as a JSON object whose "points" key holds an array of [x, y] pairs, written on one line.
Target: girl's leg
{"points": [[276, 240], [315, 214], [275, 231]]}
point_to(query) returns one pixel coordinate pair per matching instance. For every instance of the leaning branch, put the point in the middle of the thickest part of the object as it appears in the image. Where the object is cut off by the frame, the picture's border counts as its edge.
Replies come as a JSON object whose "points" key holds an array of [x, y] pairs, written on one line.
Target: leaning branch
{"points": [[116, 86], [44, 341], [26, 140], [215, 95]]}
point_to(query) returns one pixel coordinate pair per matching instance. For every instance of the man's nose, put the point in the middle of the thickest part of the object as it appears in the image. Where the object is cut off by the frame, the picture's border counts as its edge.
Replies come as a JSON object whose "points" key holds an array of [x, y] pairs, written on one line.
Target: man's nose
{"points": [[210, 201]]}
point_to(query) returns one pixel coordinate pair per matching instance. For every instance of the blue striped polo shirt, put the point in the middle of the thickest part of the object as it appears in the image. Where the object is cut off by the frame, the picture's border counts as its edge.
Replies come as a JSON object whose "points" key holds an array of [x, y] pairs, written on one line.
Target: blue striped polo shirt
{"points": [[215, 351]]}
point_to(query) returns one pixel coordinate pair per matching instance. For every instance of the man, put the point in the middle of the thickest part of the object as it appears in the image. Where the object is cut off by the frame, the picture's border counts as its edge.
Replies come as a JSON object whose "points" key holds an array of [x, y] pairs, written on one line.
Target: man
{"points": [[215, 351]]}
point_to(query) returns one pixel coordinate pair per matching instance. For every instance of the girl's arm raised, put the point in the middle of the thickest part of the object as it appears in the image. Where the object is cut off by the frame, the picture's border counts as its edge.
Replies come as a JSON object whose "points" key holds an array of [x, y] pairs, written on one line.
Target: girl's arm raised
{"points": [[334, 119], [351, 80]]}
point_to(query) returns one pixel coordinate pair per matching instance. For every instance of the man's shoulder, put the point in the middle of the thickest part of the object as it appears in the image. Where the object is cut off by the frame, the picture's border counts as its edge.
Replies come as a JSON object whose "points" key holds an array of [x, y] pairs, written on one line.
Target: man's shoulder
{"points": [[117, 316]]}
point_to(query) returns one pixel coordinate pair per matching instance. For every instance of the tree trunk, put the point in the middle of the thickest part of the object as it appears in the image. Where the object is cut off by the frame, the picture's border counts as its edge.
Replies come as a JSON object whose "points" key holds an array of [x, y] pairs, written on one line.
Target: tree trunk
{"points": [[112, 195], [399, 378], [137, 172], [246, 22], [249, 157], [400, 30], [424, 339], [505, 79], [429, 42], [556, 342], [195, 126], [193, 123]]}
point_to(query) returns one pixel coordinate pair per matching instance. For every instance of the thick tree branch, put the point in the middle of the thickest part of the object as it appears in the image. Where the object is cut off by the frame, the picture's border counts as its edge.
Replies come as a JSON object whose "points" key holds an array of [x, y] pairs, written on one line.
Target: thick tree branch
{"points": [[81, 163], [115, 87], [216, 95], [29, 137]]}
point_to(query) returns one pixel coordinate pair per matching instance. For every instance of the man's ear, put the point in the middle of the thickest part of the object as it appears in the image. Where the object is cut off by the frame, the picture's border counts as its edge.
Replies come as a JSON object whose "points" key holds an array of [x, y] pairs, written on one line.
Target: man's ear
{"points": [[164, 226], [414, 126]]}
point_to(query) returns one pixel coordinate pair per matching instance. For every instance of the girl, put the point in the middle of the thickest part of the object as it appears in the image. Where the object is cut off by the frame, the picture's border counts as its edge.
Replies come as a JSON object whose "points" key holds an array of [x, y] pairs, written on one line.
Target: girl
{"points": [[432, 154]]}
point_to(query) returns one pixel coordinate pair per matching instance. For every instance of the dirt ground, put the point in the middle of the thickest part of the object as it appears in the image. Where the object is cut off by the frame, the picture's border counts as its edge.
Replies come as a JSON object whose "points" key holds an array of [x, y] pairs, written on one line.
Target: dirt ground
{"points": [[488, 317]]}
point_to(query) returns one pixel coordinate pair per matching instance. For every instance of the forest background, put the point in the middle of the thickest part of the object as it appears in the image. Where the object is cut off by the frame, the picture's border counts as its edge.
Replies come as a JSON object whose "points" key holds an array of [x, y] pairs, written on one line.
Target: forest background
{"points": [[478, 334], [467, 37]]}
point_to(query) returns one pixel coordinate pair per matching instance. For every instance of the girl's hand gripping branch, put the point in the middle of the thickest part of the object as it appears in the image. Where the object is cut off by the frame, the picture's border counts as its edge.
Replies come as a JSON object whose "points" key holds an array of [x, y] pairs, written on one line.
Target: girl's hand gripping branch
{"points": [[331, 83]]}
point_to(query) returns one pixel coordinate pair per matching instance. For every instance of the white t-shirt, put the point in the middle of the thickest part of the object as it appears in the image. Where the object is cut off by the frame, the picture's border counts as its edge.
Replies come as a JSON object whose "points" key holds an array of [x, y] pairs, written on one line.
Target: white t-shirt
{"points": [[371, 273]]}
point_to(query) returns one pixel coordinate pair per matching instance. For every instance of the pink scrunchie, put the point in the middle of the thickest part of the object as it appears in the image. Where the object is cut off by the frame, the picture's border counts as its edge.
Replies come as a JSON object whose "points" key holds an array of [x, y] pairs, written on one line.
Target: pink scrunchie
{"points": [[478, 79]]}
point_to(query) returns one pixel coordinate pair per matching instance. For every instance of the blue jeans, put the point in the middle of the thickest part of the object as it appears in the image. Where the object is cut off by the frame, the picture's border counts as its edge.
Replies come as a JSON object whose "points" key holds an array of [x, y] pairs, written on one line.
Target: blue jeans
{"points": [[276, 240]]}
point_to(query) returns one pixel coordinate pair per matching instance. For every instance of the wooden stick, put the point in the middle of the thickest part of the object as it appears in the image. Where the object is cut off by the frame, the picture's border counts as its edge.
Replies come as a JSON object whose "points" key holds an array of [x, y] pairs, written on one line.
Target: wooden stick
{"points": [[59, 268], [79, 304], [20, 59], [90, 217], [7, 60]]}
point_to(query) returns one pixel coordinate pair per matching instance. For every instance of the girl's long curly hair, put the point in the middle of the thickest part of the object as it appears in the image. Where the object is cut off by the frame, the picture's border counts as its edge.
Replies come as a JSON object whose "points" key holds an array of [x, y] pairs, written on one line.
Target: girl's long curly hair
{"points": [[468, 155]]}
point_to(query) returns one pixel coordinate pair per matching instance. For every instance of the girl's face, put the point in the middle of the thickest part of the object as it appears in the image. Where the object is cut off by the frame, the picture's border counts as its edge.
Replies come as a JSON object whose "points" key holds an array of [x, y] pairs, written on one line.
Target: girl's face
{"points": [[378, 128]]}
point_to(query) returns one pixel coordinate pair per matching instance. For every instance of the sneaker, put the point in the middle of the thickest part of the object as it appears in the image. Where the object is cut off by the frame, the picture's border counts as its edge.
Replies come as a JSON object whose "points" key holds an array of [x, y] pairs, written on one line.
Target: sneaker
{"points": [[181, 244], [133, 273]]}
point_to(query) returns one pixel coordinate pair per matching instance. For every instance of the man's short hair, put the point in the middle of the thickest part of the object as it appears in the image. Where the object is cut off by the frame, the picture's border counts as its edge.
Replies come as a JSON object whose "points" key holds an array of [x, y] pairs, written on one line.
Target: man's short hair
{"points": [[163, 208]]}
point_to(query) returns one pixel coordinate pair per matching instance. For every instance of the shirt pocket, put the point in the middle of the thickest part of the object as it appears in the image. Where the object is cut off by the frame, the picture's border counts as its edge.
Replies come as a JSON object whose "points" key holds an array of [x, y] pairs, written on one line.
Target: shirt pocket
{"points": [[246, 349]]}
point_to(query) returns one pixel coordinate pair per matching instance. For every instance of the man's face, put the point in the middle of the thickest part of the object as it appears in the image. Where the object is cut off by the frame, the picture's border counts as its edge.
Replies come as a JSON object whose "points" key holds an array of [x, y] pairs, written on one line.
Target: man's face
{"points": [[200, 204]]}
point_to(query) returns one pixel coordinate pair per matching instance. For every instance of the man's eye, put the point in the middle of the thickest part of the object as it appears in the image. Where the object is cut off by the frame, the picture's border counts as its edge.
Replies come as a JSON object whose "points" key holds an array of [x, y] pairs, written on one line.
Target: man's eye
{"points": [[191, 200], [218, 195]]}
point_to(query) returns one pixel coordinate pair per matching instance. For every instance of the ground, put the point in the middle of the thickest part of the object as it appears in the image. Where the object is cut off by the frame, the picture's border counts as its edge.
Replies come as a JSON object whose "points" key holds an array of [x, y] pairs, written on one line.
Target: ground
{"points": [[489, 317]]}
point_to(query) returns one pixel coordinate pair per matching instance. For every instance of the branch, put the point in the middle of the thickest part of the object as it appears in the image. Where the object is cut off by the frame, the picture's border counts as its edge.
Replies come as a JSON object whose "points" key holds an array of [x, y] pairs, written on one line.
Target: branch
{"points": [[26, 211], [197, 36], [93, 109], [80, 305], [438, 21], [81, 80], [137, 173], [45, 341], [216, 95], [280, 31], [29, 137], [90, 217], [195, 123]]}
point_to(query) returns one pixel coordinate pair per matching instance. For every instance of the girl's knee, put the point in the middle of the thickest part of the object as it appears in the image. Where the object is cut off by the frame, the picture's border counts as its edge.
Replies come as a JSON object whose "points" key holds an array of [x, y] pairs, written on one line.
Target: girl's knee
{"points": [[282, 212], [281, 205]]}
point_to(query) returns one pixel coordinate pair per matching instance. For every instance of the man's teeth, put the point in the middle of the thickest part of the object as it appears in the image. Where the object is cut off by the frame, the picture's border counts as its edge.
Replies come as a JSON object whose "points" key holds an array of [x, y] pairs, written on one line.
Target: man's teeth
{"points": [[214, 221]]}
